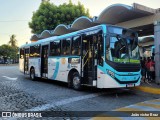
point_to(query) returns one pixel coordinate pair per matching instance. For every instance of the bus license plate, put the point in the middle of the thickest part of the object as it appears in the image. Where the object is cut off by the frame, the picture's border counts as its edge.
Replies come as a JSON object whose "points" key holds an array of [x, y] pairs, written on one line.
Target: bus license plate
{"points": [[130, 85]]}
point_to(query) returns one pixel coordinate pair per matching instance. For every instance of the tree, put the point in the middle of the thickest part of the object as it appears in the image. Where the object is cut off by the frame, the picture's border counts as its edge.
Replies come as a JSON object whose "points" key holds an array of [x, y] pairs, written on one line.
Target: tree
{"points": [[13, 41], [48, 15], [7, 51], [10, 50]]}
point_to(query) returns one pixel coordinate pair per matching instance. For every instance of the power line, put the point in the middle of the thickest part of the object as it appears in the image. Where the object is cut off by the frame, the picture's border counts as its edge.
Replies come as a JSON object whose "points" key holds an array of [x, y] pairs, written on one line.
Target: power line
{"points": [[14, 20]]}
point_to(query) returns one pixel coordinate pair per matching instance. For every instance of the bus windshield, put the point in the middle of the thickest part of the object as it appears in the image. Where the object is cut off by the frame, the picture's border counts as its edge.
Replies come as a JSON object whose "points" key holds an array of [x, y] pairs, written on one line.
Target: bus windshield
{"points": [[123, 48]]}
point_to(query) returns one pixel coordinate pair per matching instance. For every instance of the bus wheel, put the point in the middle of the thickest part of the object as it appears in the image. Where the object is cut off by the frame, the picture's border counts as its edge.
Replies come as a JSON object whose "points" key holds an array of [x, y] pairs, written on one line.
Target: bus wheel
{"points": [[76, 81], [32, 74]]}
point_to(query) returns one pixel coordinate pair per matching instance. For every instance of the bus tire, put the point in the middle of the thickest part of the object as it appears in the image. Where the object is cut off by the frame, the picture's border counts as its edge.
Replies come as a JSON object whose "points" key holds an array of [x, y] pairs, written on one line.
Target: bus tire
{"points": [[32, 74], [76, 81]]}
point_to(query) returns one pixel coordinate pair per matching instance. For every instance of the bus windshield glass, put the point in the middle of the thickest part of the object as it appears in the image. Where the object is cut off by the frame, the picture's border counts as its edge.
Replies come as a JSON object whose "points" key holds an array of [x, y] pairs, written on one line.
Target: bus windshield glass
{"points": [[123, 46]]}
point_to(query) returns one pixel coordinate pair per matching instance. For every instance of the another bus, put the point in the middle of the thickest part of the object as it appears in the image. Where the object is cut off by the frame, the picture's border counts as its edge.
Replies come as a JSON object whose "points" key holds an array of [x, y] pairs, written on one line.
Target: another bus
{"points": [[153, 51], [103, 56]]}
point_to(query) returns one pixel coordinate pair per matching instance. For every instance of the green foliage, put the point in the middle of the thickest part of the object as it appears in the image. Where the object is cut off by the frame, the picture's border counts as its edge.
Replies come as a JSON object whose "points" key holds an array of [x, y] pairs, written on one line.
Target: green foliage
{"points": [[8, 51], [48, 16]]}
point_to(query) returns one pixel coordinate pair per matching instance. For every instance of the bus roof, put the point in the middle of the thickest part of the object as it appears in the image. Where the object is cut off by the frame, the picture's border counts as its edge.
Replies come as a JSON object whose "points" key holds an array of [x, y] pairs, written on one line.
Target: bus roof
{"points": [[67, 35], [62, 36]]}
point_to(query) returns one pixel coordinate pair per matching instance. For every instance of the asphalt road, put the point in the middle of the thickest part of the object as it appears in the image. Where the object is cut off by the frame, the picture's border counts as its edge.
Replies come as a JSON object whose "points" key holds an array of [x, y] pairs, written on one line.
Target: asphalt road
{"points": [[19, 93]]}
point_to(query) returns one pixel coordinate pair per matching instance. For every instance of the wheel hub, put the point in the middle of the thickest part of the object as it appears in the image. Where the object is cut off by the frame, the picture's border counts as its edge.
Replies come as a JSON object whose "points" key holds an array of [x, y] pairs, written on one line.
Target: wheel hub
{"points": [[76, 80]]}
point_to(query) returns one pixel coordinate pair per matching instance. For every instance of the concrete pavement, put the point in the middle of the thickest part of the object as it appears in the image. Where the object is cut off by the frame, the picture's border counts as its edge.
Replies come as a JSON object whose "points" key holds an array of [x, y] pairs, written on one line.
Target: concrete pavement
{"points": [[147, 110], [19, 93], [152, 87]]}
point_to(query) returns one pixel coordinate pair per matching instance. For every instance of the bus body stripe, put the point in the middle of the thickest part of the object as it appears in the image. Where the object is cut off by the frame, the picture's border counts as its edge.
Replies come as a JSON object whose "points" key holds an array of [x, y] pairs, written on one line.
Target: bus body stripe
{"points": [[56, 70]]}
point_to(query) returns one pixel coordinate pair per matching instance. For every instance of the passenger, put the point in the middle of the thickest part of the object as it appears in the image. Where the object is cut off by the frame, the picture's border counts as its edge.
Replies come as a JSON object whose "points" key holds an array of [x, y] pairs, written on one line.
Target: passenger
{"points": [[143, 69], [151, 69]]}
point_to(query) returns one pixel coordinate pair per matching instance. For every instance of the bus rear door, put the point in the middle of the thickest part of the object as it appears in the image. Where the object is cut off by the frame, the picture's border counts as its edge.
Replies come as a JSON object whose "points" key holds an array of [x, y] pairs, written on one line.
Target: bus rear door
{"points": [[44, 61], [26, 61]]}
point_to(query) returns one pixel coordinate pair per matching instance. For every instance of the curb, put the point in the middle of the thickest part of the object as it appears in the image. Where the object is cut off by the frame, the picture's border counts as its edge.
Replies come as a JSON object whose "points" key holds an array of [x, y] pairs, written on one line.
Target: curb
{"points": [[148, 89]]}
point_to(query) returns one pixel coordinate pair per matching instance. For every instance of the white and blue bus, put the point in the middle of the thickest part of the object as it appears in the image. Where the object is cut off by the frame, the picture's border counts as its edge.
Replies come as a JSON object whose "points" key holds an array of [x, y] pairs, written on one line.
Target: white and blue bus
{"points": [[153, 51], [103, 56]]}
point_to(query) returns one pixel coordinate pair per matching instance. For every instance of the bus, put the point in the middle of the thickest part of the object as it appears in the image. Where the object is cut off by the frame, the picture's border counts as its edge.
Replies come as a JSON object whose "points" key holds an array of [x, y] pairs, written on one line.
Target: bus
{"points": [[103, 56]]}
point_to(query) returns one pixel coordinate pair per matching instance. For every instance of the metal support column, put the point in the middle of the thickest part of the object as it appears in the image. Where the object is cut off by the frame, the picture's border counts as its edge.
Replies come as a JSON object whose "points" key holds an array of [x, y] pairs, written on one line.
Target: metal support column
{"points": [[157, 50]]}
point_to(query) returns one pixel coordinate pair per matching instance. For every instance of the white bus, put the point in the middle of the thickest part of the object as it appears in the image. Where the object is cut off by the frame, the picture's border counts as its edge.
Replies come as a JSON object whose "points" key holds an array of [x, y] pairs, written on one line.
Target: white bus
{"points": [[103, 56]]}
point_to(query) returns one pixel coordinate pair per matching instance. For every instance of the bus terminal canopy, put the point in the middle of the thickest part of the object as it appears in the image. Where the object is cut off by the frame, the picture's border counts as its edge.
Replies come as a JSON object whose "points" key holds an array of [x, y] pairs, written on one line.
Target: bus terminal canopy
{"points": [[114, 14]]}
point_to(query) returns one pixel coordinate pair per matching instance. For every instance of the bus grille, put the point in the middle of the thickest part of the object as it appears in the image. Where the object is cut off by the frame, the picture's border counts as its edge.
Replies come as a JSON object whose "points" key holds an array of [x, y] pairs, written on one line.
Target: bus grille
{"points": [[120, 67]]}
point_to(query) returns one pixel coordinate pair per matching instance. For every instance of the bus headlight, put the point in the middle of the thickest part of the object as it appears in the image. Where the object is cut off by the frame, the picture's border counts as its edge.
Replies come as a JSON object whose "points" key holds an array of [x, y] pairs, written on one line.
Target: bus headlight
{"points": [[110, 73]]}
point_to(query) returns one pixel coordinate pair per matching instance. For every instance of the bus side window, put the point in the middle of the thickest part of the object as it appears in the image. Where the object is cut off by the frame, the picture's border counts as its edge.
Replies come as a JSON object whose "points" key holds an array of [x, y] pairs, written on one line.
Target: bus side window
{"points": [[35, 51], [31, 51], [58, 50], [66, 46], [76, 45], [55, 48]]}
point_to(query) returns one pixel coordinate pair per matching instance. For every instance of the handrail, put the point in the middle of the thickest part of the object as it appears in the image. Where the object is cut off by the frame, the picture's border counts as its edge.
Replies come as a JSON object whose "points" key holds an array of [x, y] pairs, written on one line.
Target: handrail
{"points": [[85, 55], [85, 63], [86, 60]]}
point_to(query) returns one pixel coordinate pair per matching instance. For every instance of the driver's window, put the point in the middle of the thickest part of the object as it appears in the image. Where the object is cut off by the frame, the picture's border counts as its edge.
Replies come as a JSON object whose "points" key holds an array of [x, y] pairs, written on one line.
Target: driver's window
{"points": [[113, 40], [118, 47]]}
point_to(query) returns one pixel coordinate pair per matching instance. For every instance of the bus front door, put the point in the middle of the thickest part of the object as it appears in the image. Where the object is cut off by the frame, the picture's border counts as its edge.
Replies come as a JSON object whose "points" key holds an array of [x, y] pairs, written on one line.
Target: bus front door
{"points": [[44, 61], [89, 60], [26, 61]]}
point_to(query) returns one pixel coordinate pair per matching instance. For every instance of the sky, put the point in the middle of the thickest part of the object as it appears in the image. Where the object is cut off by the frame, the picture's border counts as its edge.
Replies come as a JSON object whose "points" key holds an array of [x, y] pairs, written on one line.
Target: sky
{"points": [[15, 14]]}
